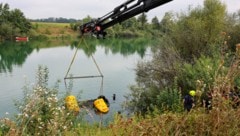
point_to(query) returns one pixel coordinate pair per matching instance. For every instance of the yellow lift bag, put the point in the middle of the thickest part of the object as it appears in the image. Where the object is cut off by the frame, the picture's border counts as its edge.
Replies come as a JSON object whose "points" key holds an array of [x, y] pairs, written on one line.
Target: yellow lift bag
{"points": [[101, 105], [71, 103]]}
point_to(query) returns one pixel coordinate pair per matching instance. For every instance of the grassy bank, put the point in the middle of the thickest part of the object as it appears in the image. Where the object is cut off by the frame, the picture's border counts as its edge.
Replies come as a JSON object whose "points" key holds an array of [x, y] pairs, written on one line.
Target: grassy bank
{"points": [[198, 122], [53, 30]]}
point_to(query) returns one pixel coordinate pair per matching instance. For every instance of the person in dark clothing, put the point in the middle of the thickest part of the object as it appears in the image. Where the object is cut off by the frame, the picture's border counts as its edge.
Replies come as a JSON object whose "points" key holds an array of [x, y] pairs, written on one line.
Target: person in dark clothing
{"points": [[189, 101], [207, 101]]}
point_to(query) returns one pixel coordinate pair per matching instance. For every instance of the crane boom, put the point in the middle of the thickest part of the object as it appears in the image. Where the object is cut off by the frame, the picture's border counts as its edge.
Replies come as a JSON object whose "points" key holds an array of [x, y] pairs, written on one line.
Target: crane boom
{"points": [[128, 9]]}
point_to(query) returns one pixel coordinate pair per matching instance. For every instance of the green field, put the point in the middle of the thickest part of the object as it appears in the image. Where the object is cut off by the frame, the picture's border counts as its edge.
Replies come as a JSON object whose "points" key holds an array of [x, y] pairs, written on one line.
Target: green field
{"points": [[53, 30]]}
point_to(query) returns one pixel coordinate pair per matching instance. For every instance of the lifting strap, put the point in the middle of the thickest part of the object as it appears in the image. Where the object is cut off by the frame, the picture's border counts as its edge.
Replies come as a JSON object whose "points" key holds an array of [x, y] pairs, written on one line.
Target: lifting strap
{"points": [[91, 76]]}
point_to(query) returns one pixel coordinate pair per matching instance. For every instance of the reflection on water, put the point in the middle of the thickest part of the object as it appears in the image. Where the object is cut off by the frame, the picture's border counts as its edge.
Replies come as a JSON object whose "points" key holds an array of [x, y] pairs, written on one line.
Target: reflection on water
{"points": [[13, 54], [116, 59]]}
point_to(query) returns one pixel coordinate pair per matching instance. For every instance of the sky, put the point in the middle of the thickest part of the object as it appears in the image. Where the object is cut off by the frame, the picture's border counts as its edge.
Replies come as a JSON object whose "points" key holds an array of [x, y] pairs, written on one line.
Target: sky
{"points": [[78, 9]]}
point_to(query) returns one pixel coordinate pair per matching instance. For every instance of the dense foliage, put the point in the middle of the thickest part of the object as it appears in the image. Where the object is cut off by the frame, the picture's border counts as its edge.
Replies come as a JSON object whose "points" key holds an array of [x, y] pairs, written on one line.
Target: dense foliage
{"points": [[12, 22], [195, 49]]}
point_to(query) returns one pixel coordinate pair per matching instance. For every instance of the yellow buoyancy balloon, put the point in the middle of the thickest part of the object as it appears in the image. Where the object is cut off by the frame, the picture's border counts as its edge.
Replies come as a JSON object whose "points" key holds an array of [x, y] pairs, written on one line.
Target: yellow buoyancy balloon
{"points": [[101, 105], [71, 103]]}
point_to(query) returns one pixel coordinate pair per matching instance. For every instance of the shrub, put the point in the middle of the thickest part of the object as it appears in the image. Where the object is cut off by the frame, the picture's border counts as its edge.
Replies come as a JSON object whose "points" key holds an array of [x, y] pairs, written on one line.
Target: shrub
{"points": [[169, 100], [199, 75], [40, 111]]}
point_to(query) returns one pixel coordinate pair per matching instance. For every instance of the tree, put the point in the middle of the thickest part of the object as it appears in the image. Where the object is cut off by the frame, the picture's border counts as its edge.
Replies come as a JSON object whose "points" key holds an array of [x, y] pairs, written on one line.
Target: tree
{"points": [[5, 28], [232, 29], [18, 20], [143, 19], [155, 23], [195, 33], [213, 15], [130, 23], [4, 12], [86, 19], [166, 22], [12, 22]]}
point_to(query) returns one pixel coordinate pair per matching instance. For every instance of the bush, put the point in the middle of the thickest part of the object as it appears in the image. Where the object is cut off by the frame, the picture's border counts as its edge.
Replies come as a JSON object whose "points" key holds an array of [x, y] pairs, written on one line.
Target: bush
{"points": [[199, 75], [169, 100], [40, 111]]}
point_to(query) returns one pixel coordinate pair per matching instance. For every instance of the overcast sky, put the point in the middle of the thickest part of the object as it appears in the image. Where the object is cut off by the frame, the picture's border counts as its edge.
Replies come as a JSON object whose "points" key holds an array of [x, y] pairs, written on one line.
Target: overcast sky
{"points": [[78, 9]]}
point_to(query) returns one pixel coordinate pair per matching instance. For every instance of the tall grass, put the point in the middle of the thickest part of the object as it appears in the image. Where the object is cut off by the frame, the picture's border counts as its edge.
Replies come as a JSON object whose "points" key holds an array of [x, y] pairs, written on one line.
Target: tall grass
{"points": [[217, 122]]}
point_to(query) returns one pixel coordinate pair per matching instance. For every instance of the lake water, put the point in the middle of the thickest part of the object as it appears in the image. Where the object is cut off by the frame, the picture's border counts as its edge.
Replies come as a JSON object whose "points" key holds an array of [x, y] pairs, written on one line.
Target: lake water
{"points": [[116, 58]]}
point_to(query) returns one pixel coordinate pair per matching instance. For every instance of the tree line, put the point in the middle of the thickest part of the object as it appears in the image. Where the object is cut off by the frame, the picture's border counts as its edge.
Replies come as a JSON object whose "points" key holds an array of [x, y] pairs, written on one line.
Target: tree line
{"points": [[56, 20]]}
